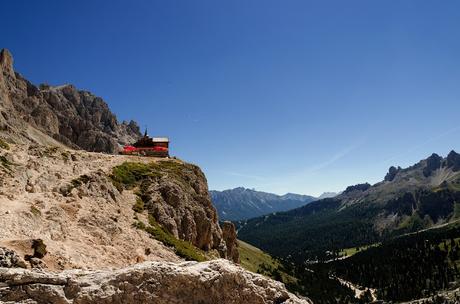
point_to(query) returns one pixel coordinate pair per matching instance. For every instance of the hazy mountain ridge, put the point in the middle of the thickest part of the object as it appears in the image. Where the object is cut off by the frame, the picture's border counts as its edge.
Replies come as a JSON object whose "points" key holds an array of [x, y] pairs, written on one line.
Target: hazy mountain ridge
{"points": [[241, 203], [328, 195]]}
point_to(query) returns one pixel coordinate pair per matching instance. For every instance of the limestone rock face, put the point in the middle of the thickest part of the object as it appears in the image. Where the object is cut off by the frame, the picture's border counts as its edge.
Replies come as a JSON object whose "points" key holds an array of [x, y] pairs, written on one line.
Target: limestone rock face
{"points": [[6, 62], [217, 281], [229, 235], [179, 200], [75, 118]]}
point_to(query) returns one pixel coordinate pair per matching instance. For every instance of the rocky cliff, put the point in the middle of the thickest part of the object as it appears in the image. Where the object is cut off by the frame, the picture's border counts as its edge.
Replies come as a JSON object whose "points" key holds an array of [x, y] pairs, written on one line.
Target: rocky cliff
{"points": [[92, 210], [73, 117], [63, 209]]}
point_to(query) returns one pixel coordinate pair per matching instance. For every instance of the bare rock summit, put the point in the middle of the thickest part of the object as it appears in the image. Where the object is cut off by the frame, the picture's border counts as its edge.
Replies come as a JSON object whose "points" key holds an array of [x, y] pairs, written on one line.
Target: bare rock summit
{"points": [[76, 118]]}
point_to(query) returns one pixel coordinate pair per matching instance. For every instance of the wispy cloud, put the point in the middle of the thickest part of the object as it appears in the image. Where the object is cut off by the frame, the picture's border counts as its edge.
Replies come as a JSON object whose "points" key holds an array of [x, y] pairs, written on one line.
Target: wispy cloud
{"points": [[423, 144], [336, 157], [248, 176], [300, 174]]}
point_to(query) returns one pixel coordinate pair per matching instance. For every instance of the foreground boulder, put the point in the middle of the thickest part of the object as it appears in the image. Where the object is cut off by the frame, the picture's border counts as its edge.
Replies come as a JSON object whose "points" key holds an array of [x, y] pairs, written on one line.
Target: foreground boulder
{"points": [[217, 281]]}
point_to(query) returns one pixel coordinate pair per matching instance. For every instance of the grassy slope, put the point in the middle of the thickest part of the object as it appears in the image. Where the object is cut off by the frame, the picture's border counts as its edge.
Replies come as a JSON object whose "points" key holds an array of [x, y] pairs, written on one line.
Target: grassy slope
{"points": [[255, 260], [353, 250], [252, 257]]}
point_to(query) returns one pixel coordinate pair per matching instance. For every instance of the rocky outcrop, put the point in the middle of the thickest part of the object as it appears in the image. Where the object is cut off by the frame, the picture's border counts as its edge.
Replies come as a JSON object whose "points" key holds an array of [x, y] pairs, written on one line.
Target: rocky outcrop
{"points": [[453, 161], [65, 198], [392, 172], [6, 63], [229, 236], [358, 187], [10, 259], [176, 195], [216, 281], [76, 118], [432, 163]]}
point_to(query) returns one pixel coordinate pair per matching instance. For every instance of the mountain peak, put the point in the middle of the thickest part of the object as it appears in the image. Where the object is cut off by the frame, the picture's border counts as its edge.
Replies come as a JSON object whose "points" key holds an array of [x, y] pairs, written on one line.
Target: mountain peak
{"points": [[6, 62], [432, 163], [453, 160], [75, 118]]}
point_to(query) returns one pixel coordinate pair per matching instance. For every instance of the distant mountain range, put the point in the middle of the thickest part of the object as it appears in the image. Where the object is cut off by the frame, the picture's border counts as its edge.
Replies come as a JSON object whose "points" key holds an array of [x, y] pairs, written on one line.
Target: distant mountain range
{"points": [[424, 195], [241, 203]]}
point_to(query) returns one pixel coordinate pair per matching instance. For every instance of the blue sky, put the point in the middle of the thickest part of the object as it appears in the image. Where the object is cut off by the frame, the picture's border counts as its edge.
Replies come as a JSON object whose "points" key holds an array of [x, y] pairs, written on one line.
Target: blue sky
{"points": [[281, 96]]}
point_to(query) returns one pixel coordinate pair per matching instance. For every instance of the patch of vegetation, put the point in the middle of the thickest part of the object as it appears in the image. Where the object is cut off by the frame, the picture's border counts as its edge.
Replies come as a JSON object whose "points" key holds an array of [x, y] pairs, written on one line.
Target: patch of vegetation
{"points": [[252, 257], [130, 174], [139, 205], [139, 225], [4, 145], [5, 163], [316, 282], [317, 231], [35, 211], [65, 155], [255, 260], [50, 151], [408, 267], [353, 250], [181, 248], [81, 180], [456, 210], [39, 248], [75, 183], [411, 223]]}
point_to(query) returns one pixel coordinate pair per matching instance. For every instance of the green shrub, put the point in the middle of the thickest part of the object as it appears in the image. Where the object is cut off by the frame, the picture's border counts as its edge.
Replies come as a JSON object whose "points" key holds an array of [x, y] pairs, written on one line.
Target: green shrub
{"points": [[182, 248], [65, 155], [39, 248], [128, 174], [139, 205], [5, 163], [139, 225], [35, 211], [77, 182], [4, 145], [82, 179]]}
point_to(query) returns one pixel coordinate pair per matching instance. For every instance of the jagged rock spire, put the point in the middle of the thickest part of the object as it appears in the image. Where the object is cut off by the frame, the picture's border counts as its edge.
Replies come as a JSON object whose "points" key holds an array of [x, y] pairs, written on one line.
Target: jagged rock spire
{"points": [[6, 63]]}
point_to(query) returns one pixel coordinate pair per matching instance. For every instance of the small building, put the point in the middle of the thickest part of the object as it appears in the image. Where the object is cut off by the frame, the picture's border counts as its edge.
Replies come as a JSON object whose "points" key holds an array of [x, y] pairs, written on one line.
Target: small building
{"points": [[148, 146]]}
